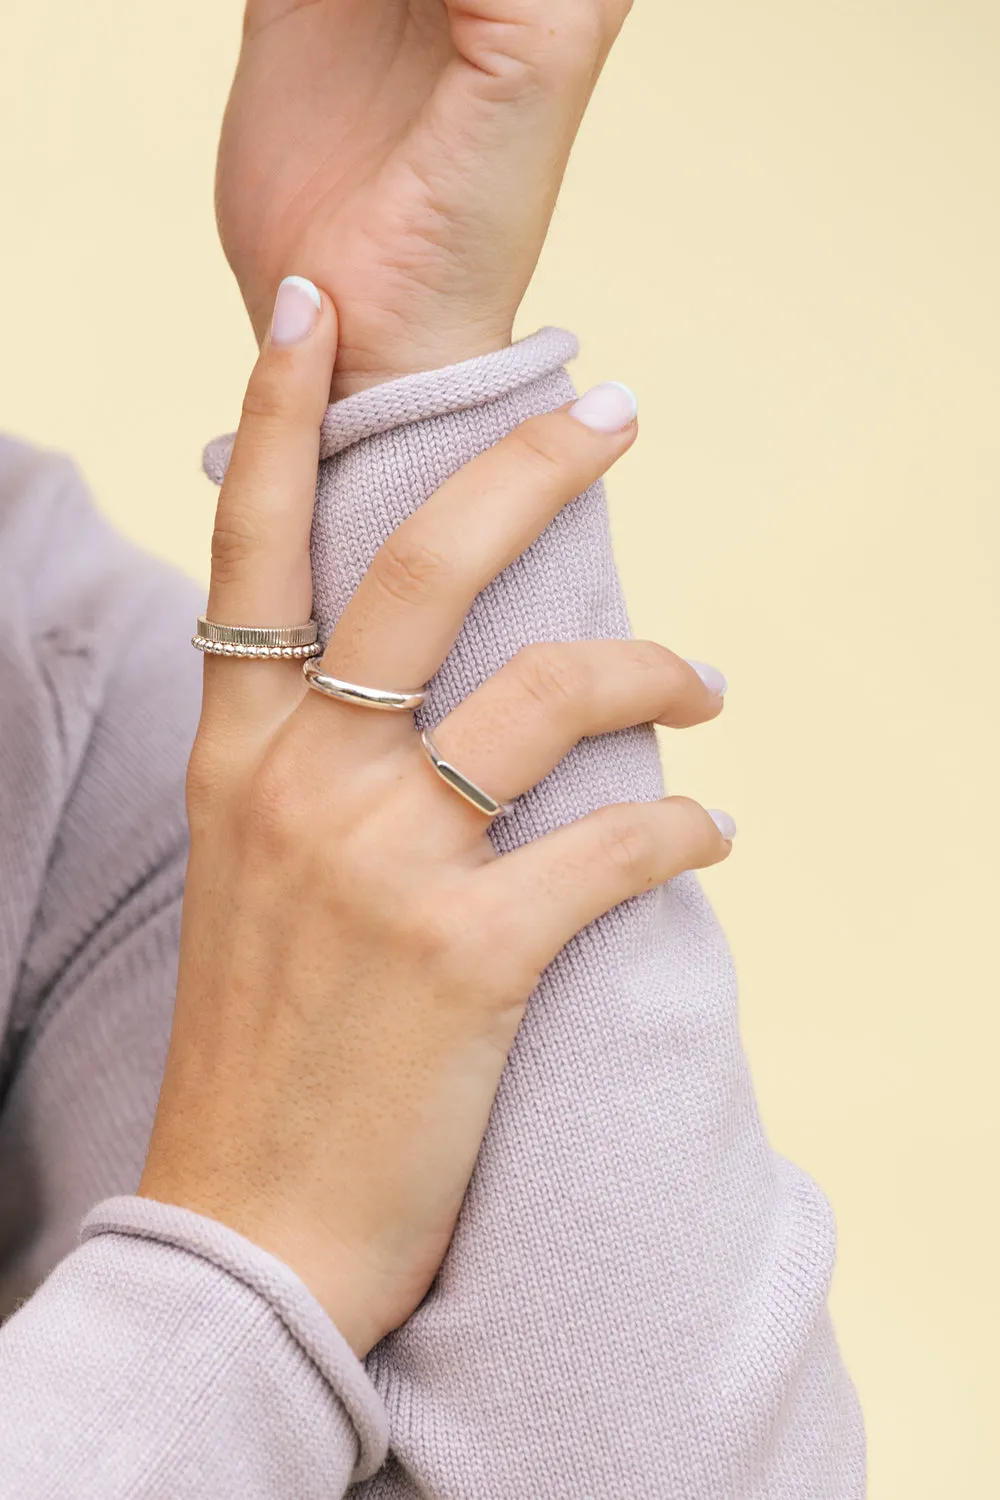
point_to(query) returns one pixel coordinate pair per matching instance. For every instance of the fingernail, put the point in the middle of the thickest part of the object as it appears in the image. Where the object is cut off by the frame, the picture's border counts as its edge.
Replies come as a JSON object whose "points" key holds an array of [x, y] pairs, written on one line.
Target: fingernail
{"points": [[296, 310], [710, 676], [723, 822], [610, 407]]}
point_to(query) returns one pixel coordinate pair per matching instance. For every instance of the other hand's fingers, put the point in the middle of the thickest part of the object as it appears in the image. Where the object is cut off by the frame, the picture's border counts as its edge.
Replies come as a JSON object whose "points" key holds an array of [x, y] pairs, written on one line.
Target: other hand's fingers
{"points": [[410, 606], [260, 550], [553, 38], [511, 732], [574, 875]]}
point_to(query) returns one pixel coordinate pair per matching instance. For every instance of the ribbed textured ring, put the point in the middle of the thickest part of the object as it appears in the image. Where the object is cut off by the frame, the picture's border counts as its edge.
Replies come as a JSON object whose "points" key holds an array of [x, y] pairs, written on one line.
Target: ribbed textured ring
{"points": [[258, 635], [452, 776], [383, 699], [259, 642]]}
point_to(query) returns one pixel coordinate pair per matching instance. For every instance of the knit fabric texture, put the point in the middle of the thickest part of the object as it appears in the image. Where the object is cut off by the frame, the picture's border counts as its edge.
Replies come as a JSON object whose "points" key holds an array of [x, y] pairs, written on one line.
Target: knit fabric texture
{"points": [[635, 1300]]}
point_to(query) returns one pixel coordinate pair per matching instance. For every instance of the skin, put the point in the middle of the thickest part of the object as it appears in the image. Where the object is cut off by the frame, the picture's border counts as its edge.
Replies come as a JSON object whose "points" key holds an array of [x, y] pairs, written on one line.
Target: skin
{"points": [[353, 970], [406, 156]]}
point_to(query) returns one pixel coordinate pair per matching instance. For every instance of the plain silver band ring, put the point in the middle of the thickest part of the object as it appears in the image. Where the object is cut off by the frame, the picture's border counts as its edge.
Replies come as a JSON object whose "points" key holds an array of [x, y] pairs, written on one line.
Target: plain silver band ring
{"points": [[452, 776], [364, 697]]}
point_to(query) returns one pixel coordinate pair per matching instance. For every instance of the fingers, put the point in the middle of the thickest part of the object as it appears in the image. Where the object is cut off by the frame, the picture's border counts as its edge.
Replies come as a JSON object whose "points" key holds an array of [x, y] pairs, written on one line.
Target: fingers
{"points": [[511, 733], [409, 608], [570, 877], [260, 549], [546, 38]]}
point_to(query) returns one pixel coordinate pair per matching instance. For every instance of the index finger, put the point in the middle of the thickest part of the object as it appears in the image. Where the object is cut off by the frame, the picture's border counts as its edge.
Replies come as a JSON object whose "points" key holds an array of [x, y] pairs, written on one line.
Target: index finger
{"points": [[261, 573]]}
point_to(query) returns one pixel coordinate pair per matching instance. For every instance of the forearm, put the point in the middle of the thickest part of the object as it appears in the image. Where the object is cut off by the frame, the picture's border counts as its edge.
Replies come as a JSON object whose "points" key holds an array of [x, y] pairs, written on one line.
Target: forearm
{"points": [[637, 1285], [165, 1356]]}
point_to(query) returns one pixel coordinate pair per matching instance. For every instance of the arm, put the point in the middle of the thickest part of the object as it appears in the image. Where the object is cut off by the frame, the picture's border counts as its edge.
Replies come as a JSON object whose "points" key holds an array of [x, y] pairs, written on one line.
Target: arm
{"points": [[166, 1356], [169, 1357], [353, 968], [635, 1297]]}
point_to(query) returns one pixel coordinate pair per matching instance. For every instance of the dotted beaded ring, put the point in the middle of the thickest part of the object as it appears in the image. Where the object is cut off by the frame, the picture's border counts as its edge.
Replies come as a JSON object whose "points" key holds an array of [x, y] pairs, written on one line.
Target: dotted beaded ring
{"points": [[255, 653]]}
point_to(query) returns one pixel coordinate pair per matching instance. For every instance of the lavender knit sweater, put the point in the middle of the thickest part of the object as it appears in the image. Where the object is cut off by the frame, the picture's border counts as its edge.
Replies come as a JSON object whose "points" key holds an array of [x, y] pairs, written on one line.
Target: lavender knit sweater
{"points": [[635, 1299]]}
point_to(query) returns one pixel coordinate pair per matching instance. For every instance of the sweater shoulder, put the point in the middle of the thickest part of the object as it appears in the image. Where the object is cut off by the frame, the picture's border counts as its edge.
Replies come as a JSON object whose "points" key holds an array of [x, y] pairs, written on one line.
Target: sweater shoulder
{"points": [[61, 560], [99, 692]]}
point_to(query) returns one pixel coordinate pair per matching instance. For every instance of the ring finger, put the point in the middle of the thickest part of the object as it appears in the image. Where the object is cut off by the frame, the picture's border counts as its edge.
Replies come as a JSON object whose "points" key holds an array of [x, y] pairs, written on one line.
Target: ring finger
{"points": [[521, 723]]}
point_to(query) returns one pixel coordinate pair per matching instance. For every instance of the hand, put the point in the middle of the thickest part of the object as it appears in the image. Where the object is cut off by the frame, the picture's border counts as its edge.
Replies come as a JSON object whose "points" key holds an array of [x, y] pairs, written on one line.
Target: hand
{"points": [[355, 959], [405, 154]]}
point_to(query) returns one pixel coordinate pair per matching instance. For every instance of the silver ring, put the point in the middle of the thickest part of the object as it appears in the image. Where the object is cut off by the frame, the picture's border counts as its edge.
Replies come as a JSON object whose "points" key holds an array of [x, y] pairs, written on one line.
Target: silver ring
{"points": [[260, 642], [259, 635], [452, 776], [383, 699]]}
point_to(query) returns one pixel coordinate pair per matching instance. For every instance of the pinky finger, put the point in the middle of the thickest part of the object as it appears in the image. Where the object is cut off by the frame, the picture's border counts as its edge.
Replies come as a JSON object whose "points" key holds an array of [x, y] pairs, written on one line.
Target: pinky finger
{"points": [[570, 877]]}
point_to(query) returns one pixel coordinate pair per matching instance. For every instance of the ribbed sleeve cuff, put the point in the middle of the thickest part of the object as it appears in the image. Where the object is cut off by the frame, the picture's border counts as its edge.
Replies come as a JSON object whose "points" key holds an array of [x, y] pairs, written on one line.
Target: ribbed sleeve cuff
{"points": [[291, 1305], [431, 393]]}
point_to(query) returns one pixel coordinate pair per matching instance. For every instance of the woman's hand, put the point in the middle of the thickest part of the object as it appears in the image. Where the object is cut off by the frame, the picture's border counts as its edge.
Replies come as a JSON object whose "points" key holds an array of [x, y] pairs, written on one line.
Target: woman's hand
{"points": [[355, 959], [406, 154]]}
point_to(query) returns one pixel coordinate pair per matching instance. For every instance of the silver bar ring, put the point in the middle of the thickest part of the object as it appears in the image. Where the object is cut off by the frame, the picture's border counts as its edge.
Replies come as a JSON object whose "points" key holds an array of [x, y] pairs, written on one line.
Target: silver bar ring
{"points": [[452, 776], [382, 699]]}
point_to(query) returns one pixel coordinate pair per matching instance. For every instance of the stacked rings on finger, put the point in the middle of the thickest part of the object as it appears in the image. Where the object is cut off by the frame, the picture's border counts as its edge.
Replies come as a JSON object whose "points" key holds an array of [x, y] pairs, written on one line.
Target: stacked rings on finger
{"points": [[385, 700], [258, 642]]}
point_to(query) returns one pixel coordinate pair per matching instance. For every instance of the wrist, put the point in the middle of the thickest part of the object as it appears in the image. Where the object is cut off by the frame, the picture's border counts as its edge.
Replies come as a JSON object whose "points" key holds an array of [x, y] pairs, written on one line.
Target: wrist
{"points": [[352, 1289], [360, 369]]}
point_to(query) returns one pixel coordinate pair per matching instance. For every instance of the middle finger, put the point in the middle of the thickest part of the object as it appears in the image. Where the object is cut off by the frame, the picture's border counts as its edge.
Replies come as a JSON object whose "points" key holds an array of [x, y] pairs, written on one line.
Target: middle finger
{"points": [[410, 606]]}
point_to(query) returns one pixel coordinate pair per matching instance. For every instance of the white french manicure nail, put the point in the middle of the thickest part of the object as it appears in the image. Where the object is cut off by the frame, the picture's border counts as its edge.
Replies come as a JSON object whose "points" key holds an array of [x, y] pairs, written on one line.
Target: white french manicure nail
{"points": [[296, 311], [710, 676], [610, 407], [724, 822]]}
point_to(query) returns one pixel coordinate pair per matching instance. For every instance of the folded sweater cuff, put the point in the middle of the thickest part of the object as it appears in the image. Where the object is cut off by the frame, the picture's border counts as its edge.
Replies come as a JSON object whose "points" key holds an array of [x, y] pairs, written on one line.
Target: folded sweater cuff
{"points": [[430, 393], [293, 1307]]}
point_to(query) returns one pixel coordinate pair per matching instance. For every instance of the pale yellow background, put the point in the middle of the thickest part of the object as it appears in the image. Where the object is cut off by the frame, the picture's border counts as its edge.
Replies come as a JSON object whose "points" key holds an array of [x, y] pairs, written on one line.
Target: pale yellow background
{"points": [[782, 226]]}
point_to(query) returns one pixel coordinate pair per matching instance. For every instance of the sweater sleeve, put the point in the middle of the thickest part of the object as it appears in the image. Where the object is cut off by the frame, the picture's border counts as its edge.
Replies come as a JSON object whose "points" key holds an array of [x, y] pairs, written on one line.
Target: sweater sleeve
{"points": [[168, 1358], [635, 1300]]}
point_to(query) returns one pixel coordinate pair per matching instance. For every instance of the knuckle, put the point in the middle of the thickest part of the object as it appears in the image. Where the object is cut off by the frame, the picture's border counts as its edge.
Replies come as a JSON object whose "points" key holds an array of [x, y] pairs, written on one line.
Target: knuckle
{"points": [[477, 957], [435, 940], [539, 453], [664, 671], [277, 810], [695, 837], [235, 541], [553, 676], [505, 953], [652, 658], [409, 571], [432, 934], [627, 843], [672, 685], [690, 814], [568, 40], [269, 399], [667, 679]]}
